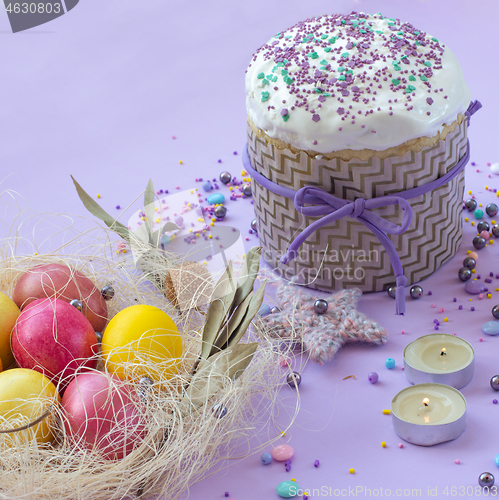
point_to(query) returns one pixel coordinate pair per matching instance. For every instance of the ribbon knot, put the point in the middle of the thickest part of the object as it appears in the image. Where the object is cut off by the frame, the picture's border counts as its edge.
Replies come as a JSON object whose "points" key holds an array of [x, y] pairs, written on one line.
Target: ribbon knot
{"points": [[358, 207]]}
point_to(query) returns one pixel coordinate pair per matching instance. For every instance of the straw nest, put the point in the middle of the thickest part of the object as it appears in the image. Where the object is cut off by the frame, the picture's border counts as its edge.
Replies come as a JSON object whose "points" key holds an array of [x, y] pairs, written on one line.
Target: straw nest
{"points": [[183, 440]]}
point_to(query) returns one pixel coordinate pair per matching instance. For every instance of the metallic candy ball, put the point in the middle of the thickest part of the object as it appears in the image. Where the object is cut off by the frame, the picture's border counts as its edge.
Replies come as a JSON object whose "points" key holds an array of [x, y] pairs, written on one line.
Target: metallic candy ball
{"points": [[144, 384], [77, 303], [254, 226], [416, 292], [495, 230], [491, 209], [494, 382], [246, 189], [99, 337], [225, 177], [146, 381], [479, 242], [293, 380], [495, 312], [464, 274], [320, 306], [391, 291], [469, 262], [470, 204], [219, 410], [486, 480], [220, 212], [107, 292], [483, 226], [275, 310]]}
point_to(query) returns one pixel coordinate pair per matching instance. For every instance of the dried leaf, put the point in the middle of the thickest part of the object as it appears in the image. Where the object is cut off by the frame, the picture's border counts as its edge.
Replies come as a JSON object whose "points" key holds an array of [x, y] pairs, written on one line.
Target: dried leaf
{"points": [[156, 237], [95, 209], [149, 208], [232, 324], [214, 371], [221, 300], [248, 275], [254, 307]]}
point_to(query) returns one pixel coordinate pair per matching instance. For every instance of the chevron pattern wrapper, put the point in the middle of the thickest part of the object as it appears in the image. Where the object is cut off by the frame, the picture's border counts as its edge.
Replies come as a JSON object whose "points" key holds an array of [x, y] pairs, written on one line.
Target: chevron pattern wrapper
{"points": [[346, 254]]}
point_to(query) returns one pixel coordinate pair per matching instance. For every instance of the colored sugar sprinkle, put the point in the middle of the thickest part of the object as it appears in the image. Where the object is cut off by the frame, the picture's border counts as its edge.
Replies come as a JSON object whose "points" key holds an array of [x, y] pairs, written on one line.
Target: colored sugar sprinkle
{"points": [[310, 58]]}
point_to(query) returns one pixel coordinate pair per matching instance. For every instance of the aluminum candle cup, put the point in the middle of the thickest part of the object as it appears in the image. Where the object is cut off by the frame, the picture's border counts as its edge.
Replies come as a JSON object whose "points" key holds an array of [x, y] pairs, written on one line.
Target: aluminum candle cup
{"points": [[439, 358], [428, 414]]}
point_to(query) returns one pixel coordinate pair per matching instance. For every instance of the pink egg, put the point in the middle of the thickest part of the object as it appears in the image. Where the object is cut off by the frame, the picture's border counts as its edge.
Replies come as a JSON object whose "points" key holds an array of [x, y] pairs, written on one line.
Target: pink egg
{"points": [[54, 338], [102, 415], [473, 255], [282, 452]]}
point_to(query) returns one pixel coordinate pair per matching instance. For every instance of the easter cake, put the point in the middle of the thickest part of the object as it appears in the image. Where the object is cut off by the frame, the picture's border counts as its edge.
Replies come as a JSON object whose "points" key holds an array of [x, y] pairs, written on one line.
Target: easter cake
{"points": [[359, 106]]}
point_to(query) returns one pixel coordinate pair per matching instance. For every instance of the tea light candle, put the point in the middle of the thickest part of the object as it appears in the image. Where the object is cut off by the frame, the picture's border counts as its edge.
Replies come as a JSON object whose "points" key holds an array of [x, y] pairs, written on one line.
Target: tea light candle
{"points": [[429, 414], [439, 358]]}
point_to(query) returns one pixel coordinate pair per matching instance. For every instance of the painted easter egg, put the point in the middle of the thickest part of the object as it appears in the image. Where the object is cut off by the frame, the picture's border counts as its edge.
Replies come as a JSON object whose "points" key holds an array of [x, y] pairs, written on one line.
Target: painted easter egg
{"points": [[54, 338], [9, 313], [26, 395], [62, 282], [101, 414], [139, 335]]}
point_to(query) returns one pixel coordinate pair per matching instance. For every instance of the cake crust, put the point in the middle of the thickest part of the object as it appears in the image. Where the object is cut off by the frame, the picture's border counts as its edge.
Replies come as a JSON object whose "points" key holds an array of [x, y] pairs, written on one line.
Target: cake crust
{"points": [[415, 145]]}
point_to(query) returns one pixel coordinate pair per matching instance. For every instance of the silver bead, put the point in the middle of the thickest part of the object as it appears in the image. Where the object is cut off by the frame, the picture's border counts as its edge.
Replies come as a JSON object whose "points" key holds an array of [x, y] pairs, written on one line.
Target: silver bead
{"points": [[486, 480], [145, 383], [494, 382], [492, 209], [416, 292], [464, 274], [495, 230], [470, 204], [391, 291], [77, 303], [495, 312], [219, 410], [469, 262], [246, 189], [220, 212], [293, 380], [254, 226], [99, 337], [275, 310], [225, 177], [107, 292], [320, 306], [483, 226], [479, 242]]}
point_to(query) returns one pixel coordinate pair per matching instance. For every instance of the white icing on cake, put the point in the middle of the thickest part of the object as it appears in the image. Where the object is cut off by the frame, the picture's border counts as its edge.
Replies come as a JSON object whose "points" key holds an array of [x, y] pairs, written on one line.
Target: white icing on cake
{"points": [[319, 51]]}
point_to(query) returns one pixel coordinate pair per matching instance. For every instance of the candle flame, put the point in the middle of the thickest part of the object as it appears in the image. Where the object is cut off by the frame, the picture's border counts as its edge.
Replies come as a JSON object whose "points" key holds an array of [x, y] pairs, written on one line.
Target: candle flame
{"points": [[444, 351], [426, 401]]}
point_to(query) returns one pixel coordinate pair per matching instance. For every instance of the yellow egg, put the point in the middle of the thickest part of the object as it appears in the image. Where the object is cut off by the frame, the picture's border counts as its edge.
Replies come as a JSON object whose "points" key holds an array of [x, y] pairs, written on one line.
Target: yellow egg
{"points": [[8, 316], [141, 334], [24, 396]]}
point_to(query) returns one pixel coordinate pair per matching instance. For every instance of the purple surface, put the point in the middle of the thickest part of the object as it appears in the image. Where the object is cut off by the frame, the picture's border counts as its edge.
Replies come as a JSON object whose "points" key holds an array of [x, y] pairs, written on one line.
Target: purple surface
{"points": [[99, 93]]}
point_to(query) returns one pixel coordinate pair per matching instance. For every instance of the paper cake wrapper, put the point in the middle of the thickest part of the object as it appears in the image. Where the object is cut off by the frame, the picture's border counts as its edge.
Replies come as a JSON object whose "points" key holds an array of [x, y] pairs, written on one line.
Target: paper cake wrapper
{"points": [[346, 254]]}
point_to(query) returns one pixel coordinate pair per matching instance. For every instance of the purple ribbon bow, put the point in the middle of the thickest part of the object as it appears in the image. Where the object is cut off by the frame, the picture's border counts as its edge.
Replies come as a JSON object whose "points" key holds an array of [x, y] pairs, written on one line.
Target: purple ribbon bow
{"points": [[330, 209]]}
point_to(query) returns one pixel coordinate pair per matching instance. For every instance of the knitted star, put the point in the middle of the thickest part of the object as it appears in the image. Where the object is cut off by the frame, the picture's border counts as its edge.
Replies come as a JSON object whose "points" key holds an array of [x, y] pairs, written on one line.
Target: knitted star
{"points": [[322, 334]]}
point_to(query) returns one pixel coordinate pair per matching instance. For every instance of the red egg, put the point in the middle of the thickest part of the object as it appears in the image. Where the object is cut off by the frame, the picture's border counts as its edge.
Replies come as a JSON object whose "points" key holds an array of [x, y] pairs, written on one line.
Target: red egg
{"points": [[101, 414], [59, 281], [54, 338]]}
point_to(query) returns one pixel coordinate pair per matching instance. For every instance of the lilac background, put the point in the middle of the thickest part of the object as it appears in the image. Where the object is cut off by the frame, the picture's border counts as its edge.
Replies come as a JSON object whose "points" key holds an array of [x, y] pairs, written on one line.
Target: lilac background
{"points": [[99, 92]]}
